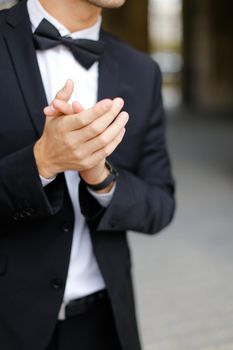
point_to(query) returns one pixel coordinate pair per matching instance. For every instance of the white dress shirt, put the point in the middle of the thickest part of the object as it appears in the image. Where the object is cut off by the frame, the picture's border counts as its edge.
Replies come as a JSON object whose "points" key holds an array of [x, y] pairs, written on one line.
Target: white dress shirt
{"points": [[56, 66]]}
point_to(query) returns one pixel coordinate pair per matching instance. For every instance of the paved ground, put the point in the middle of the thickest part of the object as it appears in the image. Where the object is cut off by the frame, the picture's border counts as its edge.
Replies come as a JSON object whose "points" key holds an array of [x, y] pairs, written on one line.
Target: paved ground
{"points": [[184, 276]]}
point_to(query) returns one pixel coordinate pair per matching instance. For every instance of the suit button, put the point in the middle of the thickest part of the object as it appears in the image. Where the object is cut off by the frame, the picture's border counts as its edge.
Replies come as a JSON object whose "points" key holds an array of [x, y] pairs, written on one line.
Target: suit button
{"points": [[113, 224], [57, 284], [22, 215], [30, 212], [66, 227], [16, 217]]}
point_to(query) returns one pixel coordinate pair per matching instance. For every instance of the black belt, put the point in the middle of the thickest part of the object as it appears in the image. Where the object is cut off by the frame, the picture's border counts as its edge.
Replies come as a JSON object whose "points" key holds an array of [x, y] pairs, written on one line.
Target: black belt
{"points": [[82, 305]]}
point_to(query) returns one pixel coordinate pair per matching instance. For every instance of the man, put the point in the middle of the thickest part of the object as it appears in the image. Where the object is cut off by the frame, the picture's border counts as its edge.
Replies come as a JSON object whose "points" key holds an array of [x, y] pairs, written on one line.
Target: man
{"points": [[65, 278]]}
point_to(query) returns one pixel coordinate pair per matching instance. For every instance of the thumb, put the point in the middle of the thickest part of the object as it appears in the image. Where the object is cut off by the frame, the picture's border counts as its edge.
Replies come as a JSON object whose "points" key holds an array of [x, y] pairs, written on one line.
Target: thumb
{"points": [[65, 93]]}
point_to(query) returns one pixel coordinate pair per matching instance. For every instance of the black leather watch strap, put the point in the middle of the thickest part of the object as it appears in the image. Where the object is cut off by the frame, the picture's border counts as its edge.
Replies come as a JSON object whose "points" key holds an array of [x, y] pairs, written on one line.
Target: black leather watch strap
{"points": [[113, 174]]}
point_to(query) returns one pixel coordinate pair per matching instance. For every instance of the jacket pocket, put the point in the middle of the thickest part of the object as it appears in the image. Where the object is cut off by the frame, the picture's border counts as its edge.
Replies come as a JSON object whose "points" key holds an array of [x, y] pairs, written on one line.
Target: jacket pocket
{"points": [[3, 264]]}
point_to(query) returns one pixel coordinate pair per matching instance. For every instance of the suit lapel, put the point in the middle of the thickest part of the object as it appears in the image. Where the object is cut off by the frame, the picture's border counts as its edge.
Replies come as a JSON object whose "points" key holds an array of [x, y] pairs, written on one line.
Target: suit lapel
{"points": [[22, 54], [108, 72]]}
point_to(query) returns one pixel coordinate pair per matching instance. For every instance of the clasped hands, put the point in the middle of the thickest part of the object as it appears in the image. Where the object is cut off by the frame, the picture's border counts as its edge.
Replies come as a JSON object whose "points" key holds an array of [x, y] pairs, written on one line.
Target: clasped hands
{"points": [[78, 139]]}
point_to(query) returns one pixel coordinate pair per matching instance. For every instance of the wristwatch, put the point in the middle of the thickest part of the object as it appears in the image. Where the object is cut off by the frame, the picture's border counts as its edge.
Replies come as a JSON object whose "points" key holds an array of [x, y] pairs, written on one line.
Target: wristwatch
{"points": [[112, 176]]}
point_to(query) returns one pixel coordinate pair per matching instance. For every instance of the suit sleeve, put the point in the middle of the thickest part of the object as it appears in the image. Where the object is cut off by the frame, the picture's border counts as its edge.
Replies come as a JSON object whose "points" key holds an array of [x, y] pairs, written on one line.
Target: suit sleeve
{"points": [[143, 200], [22, 197]]}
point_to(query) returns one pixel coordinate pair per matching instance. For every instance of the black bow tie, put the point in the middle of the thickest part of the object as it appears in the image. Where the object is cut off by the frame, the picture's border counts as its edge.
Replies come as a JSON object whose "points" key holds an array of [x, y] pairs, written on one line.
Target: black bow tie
{"points": [[85, 51]]}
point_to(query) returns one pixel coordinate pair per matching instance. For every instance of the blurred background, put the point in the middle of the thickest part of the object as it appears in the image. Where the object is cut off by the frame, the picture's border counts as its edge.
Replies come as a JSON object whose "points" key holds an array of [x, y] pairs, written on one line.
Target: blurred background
{"points": [[184, 276]]}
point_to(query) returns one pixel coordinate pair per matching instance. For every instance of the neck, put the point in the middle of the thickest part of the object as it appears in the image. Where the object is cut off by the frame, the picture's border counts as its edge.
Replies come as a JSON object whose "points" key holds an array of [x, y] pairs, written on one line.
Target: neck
{"points": [[73, 14]]}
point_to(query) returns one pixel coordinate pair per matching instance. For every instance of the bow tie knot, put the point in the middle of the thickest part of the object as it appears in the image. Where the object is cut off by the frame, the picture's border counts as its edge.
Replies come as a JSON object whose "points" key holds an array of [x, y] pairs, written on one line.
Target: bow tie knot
{"points": [[85, 51]]}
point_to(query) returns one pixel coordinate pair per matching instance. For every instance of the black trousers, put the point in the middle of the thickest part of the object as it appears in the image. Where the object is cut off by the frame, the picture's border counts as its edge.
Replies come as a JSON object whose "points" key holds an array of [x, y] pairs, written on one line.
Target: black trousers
{"points": [[93, 330]]}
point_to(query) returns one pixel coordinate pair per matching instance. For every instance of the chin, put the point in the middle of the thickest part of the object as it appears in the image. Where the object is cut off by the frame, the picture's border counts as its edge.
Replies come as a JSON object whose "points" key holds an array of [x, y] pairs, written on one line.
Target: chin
{"points": [[107, 3]]}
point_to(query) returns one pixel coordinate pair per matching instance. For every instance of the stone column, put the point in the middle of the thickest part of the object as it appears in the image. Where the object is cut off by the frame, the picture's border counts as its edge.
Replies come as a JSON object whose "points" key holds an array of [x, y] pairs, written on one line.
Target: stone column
{"points": [[208, 53], [130, 23]]}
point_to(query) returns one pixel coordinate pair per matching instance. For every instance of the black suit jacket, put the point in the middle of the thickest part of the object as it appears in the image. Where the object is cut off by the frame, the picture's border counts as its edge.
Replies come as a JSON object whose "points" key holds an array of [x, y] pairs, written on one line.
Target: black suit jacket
{"points": [[37, 223]]}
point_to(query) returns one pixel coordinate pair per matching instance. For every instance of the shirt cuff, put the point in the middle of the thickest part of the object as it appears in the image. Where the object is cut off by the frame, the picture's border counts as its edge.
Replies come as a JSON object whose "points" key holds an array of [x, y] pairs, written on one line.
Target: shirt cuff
{"points": [[103, 198], [45, 181]]}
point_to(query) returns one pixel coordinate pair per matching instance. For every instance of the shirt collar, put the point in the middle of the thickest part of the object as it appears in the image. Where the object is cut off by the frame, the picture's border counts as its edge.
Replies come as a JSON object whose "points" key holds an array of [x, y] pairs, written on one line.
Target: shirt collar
{"points": [[37, 13]]}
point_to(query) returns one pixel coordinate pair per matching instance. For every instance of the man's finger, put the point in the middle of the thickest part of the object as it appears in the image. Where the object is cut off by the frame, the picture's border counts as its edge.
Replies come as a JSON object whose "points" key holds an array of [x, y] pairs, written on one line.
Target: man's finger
{"points": [[108, 135], [65, 93], [62, 95], [49, 111], [77, 107], [103, 153], [101, 124], [88, 118], [63, 107], [85, 117]]}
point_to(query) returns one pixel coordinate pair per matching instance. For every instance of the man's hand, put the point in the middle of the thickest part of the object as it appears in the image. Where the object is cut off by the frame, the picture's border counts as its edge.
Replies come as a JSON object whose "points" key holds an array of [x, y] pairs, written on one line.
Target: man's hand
{"points": [[74, 139]]}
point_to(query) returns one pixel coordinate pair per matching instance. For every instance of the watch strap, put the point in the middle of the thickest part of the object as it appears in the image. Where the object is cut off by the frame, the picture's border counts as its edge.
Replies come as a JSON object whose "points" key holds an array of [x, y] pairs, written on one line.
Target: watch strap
{"points": [[112, 176]]}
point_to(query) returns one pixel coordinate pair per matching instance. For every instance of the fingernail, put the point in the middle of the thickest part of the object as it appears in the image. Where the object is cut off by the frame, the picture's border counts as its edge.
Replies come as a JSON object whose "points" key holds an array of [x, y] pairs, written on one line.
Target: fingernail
{"points": [[125, 116], [49, 109], [56, 103], [119, 102], [56, 100], [107, 104]]}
